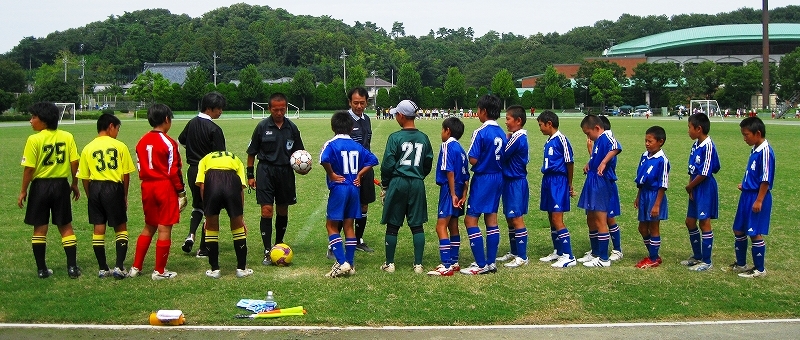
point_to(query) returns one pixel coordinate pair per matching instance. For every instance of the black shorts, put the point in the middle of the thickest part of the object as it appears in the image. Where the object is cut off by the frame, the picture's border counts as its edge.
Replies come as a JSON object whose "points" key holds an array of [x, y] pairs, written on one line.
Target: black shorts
{"points": [[368, 187], [107, 203], [48, 195], [197, 199], [222, 189], [275, 185]]}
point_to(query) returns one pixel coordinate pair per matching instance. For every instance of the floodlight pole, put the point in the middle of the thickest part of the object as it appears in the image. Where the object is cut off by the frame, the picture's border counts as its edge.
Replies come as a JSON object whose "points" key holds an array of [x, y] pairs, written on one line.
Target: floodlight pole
{"points": [[374, 91], [83, 81], [215, 68], [65, 69], [343, 56], [765, 54]]}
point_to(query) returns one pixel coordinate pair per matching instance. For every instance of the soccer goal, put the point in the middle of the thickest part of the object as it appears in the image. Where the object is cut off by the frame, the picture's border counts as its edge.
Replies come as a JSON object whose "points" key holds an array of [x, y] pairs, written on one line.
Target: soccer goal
{"points": [[261, 110], [66, 113], [709, 107]]}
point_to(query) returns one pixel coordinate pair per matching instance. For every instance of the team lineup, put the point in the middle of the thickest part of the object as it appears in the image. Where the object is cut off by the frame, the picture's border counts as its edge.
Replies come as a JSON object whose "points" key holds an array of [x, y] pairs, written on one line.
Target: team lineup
{"points": [[497, 160]]}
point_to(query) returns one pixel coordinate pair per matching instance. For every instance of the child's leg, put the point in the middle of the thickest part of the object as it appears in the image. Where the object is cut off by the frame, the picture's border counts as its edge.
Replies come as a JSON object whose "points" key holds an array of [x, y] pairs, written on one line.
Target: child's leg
{"points": [[592, 224], [694, 238], [708, 239], [418, 237], [740, 248], [350, 241], [212, 241], [239, 241], [520, 237], [391, 241], [645, 232], [99, 246], [335, 241], [121, 245], [492, 237], [442, 226], [759, 251], [39, 246], [563, 241], [455, 239], [70, 244], [598, 220], [655, 240], [142, 244], [475, 240], [616, 234], [162, 247]]}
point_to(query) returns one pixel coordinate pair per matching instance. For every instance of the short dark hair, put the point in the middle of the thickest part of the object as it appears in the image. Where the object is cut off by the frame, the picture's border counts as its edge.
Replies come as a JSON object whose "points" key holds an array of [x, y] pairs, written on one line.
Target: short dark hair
{"points": [[213, 100], [341, 123], [518, 112], [105, 120], [491, 104], [158, 114], [658, 133], [548, 116], [455, 125], [277, 96], [701, 120], [754, 124], [47, 113], [590, 121], [361, 92], [606, 122]]}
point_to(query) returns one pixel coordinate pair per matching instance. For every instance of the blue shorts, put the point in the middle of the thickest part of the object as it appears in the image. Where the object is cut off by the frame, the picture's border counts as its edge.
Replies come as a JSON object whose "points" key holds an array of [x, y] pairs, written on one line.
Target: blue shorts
{"points": [[705, 204], [484, 194], [554, 194], [600, 194], [646, 201], [515, 197], [749, 222], [344, 202], [446, 208]]}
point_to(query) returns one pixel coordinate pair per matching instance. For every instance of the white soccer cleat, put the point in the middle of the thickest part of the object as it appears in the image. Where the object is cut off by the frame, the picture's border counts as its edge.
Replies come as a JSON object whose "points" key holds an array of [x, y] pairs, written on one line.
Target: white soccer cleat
{"points": [[565, 261], [418, 269], [338, 270], [214, 274], [516, 262], [587, 257], [753, 273], [507, 257], [550, 257], [134, 272], [163, 276], [597, 262], [615, 255], [388, 267], [240, 273]]}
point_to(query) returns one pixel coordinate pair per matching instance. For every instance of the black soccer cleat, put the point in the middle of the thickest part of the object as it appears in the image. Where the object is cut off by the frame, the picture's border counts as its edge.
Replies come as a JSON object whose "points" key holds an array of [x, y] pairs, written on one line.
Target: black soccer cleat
{"points": [[45, 273], [74, 272], [187, 245]]}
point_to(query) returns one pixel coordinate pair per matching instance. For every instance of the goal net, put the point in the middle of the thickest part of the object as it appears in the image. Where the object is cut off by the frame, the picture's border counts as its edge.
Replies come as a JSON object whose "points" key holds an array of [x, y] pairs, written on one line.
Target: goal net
{"points": [[66, 113], [261, 110], [709, 107]]}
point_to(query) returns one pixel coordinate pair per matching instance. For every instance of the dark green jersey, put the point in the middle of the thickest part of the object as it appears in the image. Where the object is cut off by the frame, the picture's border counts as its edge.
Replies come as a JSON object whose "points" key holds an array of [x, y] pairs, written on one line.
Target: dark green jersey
{"points": [[408, 154]]}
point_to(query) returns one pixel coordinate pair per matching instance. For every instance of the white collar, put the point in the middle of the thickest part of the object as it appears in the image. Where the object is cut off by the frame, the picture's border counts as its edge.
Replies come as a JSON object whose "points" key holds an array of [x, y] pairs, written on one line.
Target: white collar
{"points": [[355, 116], [658, 154], [203, 115], [489, 122], [704, 142], [520, 132], [341, 136], [555, 135], [761, 147]]}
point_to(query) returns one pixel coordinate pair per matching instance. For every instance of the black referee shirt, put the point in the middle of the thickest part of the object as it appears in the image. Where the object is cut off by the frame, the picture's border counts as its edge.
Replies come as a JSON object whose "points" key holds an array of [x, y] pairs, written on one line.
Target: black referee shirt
{"points": [[362, 130], [201, 136], [275, 145]]}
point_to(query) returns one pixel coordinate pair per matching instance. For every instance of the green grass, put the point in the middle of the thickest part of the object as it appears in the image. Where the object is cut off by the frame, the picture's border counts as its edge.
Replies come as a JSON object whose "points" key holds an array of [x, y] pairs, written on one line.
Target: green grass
{"points": [[534, 294]]}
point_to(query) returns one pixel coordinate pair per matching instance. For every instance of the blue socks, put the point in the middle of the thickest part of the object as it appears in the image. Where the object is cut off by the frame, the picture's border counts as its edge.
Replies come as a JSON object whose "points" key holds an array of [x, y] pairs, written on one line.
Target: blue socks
{"points": [[512, 242], [554, 238], [335, 243], [740, 248], [563, 242], [444, 252], [616, 240], [694, 240], [759, 249], [708, 245], [492, 243], [655, 245], [521, 237], [455, 245], [593, 242], [476, 244], [602, 245], [350, 250]]}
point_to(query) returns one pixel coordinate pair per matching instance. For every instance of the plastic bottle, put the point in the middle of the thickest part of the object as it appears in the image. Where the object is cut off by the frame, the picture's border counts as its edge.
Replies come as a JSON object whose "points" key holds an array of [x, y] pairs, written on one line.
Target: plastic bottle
{"points": [[167, 318], [269, 302]]}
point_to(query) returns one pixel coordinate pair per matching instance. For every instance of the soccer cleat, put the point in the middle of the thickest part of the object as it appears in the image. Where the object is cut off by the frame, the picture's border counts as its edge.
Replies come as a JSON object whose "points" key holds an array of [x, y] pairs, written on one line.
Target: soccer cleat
{"points": [[74, 272], [118, 273], [364, 247], [615, 255], [492, 268], [691, 261], [418, 269], [134, 272], [214, 274], [550, 257], [597, 262], [701, 267], [188, 244], [338, 270], [103, 273], [752, 273], [647, 263], [388, 267], [45, 273], [587, 257], [737, 268], [240, 273], [352, 271], [330, 255], [201, 253], [455, 266], [473, 269], [267, 261], [565, 261], [441, 270], [507, 257], [163, 276], [516, 262]]}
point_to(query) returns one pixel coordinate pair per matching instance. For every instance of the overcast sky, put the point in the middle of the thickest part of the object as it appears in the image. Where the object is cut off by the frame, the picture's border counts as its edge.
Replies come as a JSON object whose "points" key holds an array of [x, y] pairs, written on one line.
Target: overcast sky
{"points": [[38, 18]]}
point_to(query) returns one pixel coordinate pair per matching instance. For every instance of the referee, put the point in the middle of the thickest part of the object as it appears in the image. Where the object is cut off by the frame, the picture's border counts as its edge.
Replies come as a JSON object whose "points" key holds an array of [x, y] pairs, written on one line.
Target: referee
{"points": [[362, 134], [201, 136]]}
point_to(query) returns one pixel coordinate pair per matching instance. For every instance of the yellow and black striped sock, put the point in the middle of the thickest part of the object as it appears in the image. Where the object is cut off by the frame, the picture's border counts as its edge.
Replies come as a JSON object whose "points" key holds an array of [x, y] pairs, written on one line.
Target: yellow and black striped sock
{"points": [[70, 244], [212, 244], [240, 246], [39, 245], [121, 241], [99, 247]]}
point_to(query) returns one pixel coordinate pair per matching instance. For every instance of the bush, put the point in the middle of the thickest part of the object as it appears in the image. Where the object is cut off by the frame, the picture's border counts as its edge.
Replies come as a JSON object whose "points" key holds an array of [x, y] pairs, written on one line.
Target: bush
{"points": [[108, 111], [14, 118]]}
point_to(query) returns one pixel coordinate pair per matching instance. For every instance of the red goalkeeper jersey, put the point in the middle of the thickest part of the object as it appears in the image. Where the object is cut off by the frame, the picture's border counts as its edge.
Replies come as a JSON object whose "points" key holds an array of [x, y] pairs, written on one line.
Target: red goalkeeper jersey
{"points": [[158, 159]]}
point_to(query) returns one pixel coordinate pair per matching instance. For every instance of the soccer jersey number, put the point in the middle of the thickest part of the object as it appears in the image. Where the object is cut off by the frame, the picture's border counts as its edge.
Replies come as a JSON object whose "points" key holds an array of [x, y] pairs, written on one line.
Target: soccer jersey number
{"points": [[219, 154], [102, 163], [350, 162], [58, 149], [498, 143], [415, 148]]}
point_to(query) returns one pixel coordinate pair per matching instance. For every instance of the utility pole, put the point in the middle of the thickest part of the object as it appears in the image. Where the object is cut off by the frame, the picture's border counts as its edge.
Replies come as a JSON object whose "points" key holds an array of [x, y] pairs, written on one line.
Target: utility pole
{"points": [[343, 56], [374, 90], [215, 68], [83, 81], [65, 69]]}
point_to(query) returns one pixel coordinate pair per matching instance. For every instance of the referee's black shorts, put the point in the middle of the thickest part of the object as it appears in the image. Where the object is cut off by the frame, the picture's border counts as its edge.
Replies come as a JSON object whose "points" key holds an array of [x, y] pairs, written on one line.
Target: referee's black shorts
{"points": [[197, 199], [107, 203], [275, 184], [49, 195], [368, 187], [222, 189]]}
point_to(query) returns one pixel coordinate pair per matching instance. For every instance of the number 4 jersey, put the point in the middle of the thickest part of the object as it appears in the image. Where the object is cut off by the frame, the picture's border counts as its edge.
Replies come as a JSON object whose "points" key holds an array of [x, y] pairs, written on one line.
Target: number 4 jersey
{"points": [[105, 159], [50, 152]]}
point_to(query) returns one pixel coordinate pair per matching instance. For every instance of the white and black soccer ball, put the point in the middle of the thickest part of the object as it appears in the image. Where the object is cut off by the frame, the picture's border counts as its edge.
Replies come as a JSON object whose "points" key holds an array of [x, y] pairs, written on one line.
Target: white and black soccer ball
{"points": [[301, 161]]}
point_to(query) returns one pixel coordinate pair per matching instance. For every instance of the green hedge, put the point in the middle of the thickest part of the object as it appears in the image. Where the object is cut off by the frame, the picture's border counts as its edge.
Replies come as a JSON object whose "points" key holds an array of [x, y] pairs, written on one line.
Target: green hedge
{"points": [[25, 118]]}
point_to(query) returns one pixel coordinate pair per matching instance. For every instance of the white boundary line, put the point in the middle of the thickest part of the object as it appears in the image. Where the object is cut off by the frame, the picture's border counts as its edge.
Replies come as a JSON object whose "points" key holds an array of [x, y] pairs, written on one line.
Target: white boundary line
{"points": [[391, 328]]}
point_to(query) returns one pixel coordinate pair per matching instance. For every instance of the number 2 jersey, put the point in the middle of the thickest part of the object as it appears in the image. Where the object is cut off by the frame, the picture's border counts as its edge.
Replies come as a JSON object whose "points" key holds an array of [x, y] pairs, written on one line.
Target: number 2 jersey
{"points": [[105, 159], [159, 160], [346, 157], [50, 153]]}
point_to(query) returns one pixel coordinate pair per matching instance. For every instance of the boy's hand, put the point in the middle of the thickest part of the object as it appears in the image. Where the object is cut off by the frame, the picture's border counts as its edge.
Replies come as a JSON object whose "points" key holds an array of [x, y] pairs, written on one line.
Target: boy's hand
{"points": [[336, 178], [600, 169], [383, 195], [586, 169], [251, 183], [21, 199], [739, 186], [76, 194], [182, 200], [636, 203], [571, 191], [655, 211], [357, 181], [757, 206]]}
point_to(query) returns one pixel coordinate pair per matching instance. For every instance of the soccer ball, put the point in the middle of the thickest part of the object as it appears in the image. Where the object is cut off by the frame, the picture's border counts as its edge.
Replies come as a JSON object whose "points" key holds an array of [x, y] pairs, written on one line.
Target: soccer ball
{"points": [[281, 255], [301, 162]]}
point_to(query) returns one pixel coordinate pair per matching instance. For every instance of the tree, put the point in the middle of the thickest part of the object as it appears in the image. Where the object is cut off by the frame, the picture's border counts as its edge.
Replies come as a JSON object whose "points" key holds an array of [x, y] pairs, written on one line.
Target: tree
{"points": [[398, 30], [195, 84], [455, 87], [56, 91], [250, 84], [382, 98], [701, 80], [789, 74], [553, 83], [503, 86], [24, 101], [12, 77], [303, 84], [604, 88], [741, 82], [6, 101], [653, 78], [150, 87], [409, 83], [527, 99]]}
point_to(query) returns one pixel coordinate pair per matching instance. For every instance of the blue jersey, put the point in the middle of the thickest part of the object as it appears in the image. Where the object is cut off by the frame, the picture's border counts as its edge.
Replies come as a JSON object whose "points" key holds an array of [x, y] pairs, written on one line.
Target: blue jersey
{"points": [[452, 158], [346, 158], [760, 167], [602, 146], [653, 171], [487, 145], [703, 159], [515, 156], [557, 154]]}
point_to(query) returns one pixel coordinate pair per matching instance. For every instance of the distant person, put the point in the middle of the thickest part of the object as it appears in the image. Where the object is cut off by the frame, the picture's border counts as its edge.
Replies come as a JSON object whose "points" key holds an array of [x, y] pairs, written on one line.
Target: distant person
{"points": [[49, 160], [652, 181]]}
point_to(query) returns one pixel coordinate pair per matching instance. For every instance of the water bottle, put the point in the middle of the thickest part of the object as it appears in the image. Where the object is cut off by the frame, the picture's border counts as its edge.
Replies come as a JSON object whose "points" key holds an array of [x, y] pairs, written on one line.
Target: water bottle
{"points": [[269, 302]]}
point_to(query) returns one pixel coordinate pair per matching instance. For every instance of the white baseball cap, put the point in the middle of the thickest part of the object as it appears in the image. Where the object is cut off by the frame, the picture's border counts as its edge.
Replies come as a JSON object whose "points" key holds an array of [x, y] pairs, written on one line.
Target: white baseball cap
{"points": [[406, 108]]}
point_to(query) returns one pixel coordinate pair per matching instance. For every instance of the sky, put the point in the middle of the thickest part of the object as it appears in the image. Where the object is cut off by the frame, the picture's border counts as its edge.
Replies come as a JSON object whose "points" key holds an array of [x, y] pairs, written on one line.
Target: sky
{"points": [[38, 18]]}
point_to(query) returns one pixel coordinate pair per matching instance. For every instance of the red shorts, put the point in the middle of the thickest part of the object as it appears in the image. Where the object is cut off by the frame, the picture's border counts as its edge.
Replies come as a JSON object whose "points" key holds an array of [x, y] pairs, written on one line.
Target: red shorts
{"points": [[160, 203]]}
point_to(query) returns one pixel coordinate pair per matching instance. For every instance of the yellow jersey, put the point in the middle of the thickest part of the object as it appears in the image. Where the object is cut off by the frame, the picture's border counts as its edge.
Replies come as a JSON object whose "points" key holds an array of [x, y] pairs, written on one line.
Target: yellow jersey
{"points": [[220, 160], [105, 159], [50, 153]]}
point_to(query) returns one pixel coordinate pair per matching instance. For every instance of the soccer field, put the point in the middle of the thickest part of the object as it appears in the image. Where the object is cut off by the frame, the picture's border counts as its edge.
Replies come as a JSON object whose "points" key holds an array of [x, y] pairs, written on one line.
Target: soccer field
{"points": [[534, 294]]}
